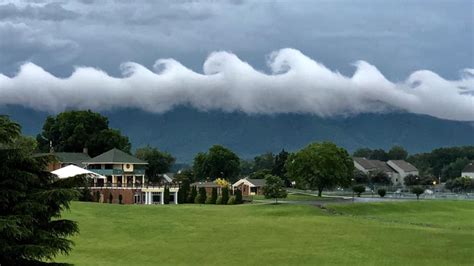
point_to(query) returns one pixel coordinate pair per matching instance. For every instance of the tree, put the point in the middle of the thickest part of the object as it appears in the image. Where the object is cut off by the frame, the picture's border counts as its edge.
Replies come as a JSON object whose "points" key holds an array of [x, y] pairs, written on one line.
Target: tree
{"points": [[380, 178], [279, 167], [213, 195], [217, 162], [363, 153], [260, 174], [360, 177], [31, 202], [381, 192], [264, 162], [120, 198], [192, 195], [454, 169], [397, 153], [320, 166], [379, 154], [238, 196], [460, 184], [111, 198], [358, 190], [71, 131], [246, 167], [202, 194], [225, 195], [183, 192], [158, 162], [414, 180], [417, 191], [166, 195], [274, 188]]}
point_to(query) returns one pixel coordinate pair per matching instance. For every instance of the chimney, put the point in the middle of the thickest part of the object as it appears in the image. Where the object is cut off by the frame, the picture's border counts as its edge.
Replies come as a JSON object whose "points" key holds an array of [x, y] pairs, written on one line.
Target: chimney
{"points": [[85, 151]]}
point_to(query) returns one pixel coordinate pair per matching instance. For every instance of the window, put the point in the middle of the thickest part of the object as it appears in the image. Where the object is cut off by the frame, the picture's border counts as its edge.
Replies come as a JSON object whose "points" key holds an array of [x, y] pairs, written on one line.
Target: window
{"points": [[109, 166]]}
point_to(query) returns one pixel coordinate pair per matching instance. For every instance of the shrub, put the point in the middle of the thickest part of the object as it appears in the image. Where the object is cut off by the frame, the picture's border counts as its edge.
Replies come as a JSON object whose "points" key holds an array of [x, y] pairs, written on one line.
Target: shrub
{"points": [[219, 200], [213, 197], [202, 193], [231, 201], [111, 198], [166, 195], [225, 195], [97, 196], [120, 198], [238, 197], [358, 190], [192, 195], [417, 191], [86, 195], [381, 192], [198, 199], [209, 201]]}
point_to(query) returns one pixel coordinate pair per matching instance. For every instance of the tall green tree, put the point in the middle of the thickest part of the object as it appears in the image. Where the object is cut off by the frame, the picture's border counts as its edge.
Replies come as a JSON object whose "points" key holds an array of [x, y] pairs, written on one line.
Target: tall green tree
{"points": [[279, 167], [397, 153], [264, 162], [71, 131], [362, 152], [31, 202], [158, 162], [320, 166], [274, 188], [217, 162]]}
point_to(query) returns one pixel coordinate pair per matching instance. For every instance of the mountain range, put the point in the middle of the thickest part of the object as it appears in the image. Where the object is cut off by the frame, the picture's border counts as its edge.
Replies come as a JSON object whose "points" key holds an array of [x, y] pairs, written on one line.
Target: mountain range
{"points": [[185, 131]]}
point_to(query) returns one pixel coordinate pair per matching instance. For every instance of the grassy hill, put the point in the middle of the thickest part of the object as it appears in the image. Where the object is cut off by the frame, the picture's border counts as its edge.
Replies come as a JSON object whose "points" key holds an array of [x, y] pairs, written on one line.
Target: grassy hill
{"points": [[407, 233]]}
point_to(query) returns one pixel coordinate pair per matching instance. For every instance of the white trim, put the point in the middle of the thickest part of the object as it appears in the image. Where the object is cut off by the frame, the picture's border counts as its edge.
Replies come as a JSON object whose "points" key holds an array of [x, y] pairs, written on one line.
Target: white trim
{"points": [[245, 181]]}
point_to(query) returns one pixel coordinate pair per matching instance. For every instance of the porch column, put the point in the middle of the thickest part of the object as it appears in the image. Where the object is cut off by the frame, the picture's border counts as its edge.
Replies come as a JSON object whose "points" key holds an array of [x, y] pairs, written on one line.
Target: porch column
{"points": [[147, 198], [176, 197], [150, 198], [133, 181], [143, 180], [162, 197]]}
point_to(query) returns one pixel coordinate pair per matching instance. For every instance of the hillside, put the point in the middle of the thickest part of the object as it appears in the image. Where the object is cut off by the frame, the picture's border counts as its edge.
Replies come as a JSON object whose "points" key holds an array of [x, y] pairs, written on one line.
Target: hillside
{"points": [[184, 131]]}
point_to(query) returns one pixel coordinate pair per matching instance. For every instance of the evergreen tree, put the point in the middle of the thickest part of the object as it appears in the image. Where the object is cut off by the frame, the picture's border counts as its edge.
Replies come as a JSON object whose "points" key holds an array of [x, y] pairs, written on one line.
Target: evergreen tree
{"points": [[225, 195], [214, 195], [183, 192], [192, 195], [238, 196], [202, 194], [31, 201], [166, 196]]}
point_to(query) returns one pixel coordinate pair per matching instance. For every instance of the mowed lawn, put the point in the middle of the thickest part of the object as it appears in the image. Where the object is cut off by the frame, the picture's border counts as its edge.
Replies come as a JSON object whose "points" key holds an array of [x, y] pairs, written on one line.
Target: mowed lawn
{"points": [[395, 233]]}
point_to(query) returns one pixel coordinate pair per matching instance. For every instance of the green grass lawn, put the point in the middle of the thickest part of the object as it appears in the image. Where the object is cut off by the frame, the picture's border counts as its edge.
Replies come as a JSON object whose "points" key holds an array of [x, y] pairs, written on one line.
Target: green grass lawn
{"points": [[405, 233]]}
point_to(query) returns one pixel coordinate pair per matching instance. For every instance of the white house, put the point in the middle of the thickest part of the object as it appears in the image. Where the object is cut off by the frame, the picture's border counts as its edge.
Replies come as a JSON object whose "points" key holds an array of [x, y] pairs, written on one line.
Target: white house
{"points": [[468, 170]]}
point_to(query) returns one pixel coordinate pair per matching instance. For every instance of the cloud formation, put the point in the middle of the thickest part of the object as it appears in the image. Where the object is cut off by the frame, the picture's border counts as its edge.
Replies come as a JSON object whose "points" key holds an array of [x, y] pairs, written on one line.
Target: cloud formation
{"points": [[295, 84]]}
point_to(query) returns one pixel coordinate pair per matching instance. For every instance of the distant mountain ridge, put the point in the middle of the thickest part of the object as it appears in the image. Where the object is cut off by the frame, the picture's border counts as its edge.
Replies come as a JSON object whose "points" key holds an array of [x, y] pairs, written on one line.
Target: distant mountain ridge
{"points": [[185, 131]]}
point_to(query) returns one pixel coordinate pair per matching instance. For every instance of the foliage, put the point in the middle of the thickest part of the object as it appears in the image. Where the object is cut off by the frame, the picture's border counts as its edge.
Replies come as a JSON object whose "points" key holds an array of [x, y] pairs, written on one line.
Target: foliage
{"points": [[31, 201], [219, 200], [217, 162], [320, 166], [192, 195], [379, 178], [460, 184], [264, 162], [158, 162], [166, 195], [183, 191], [454, 169], [231, 201], [209, 200], [186, 175], [213, 197], [279, 167], [397, 153], [199, 199], [202, 193], [359, 189], [111, 198], [238, 196], [120, 198], [222, 182], [360, 177], [225, 195], [414, 180], [260, 174], [246, 167], [417, 191], [381, 192], [71, 131], [274, 188], [86, 195], [97, 196]]}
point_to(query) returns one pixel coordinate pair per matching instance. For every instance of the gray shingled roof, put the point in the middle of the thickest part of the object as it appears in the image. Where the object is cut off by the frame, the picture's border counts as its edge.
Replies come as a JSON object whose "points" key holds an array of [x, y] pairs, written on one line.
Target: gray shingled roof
{"points": [[115, 156], [257, 182], [373, 165], [67, 157], [204, 184], [367, 164], [469, 168], [406, 166]]}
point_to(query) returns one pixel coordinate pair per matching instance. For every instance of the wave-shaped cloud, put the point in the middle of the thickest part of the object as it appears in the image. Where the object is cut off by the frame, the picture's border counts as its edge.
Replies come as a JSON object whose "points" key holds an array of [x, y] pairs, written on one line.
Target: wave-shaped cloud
{"points": [[297, 84]]}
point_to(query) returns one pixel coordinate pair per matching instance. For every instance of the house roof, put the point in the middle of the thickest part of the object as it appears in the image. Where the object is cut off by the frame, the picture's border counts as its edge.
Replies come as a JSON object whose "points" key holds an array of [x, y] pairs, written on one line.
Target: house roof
{"points": [[67, 157], [204, 184], [257, 182], [469, 168], [115, 156], [371, 165], [404, 165]]}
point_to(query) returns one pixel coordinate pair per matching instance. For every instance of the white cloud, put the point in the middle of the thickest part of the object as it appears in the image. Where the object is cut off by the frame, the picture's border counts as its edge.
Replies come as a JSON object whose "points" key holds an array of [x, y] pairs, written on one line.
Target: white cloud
{"points": [[297, 84]]}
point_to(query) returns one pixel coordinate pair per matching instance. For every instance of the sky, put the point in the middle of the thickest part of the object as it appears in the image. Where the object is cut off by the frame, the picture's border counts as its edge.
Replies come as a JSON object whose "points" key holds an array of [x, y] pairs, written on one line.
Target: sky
{"points": [[319, 57]]}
